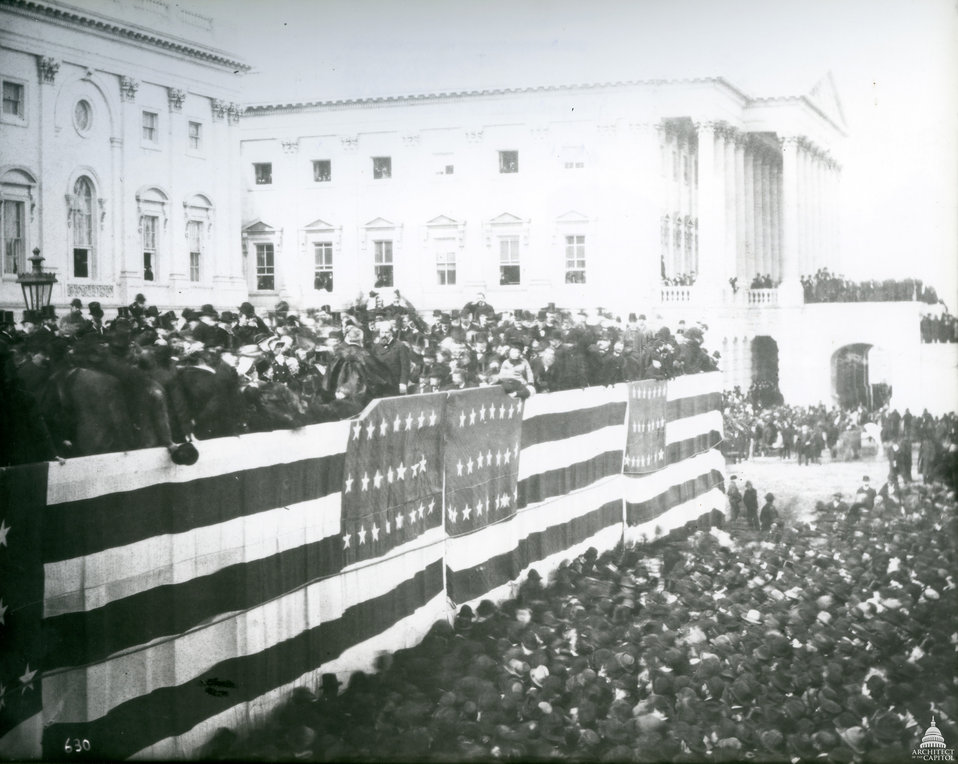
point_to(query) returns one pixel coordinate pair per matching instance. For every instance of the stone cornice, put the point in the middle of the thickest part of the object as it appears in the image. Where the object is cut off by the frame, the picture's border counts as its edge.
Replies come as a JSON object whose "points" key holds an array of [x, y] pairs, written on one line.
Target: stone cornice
{"points": [[130, 32], [262, 109]]}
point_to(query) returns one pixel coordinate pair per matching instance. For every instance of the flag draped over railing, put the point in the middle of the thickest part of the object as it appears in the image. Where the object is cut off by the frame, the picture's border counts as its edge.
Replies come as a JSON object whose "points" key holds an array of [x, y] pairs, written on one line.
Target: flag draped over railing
{"points": [[144, 605]]}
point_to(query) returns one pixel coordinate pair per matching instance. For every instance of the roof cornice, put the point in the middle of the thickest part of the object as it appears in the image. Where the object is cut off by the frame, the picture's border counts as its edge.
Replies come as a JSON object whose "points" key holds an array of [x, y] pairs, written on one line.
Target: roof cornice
{"points": [[131, 32], [263, 109]]}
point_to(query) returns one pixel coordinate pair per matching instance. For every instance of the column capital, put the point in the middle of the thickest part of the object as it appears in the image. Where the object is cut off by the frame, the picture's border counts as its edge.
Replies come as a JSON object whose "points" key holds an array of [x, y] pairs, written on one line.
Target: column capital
{"points": [[709, 125], [48, 68], [220, 107], [128, 88], [176, 98]]}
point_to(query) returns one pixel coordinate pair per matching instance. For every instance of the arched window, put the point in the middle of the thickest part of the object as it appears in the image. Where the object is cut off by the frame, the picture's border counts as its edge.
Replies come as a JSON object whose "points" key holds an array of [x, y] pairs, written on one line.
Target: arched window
{"points": [[84, 231]]}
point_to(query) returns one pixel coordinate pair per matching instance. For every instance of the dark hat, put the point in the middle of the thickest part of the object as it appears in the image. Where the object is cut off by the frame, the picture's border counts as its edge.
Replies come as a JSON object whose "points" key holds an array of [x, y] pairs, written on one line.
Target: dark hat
{"points": [[76, 303], [227, 316], [184, 454], [123, 312], [152, 310], [140, 298], [769, 497], [31, 317], [247, 309], [208, 310]]}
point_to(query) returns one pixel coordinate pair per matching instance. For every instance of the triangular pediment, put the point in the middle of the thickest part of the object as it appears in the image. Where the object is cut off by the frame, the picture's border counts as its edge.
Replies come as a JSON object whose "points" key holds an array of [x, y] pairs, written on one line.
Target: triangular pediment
{"points": [[380, 223], [258, 226], [442, 220], [824, 94], [572, 217], [506, 218], [319, 225]]}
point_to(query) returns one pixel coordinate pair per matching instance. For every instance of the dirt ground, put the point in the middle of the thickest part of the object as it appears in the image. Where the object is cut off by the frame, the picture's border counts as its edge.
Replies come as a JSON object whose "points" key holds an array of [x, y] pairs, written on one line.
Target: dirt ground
{"points": [[797, 488]]}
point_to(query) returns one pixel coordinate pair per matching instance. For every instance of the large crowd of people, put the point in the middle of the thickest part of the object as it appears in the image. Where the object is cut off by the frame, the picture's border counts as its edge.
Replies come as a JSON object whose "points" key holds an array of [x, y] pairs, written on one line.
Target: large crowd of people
{"points": [[830, 639], [807, 432], [825, 286], [82, 385]]}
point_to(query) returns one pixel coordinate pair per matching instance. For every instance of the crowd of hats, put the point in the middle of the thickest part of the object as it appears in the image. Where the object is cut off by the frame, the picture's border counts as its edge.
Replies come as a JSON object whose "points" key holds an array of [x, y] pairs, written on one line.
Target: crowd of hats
{"points": [[940, 328], [831, 641], [274, 371]]}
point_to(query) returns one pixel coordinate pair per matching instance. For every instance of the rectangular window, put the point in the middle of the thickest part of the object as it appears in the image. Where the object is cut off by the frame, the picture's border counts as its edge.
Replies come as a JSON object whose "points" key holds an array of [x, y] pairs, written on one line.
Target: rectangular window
{"points": [[14, 236], [263, 173], [323, 268], [150, 127], [509, 260], [575, 259], [508, 161], [382, 168], [322, 170], [446, 264], [383, 263], [195, 135], [148, 245], [573, 157], [13, 99], [265, 272], [194, 234]]}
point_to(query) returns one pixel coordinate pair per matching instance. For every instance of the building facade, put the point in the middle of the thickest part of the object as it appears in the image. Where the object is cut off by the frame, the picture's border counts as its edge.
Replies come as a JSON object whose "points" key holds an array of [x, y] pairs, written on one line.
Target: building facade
{"points": [[118, 136], [581, 195]]}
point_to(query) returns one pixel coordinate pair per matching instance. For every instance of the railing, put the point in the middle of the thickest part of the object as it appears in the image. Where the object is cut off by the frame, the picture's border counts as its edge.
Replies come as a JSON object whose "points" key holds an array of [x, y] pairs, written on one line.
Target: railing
{"points": [[763, 296], [673, 295]]}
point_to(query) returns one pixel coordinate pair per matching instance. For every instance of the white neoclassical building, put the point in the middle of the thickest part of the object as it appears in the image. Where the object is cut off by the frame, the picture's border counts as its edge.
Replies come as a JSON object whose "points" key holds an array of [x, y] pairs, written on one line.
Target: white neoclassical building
{"points": [[578, 195], [118, 149], [130, 157]]}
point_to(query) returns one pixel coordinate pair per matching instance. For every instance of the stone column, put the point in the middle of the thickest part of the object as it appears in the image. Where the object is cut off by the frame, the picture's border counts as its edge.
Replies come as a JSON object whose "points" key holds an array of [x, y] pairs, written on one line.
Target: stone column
{"points": [[651, 206], [791, 288], [710, 208], [759, 236], [740, 258], [776, 238], [767, 213], [727, 144], [749, 235]]}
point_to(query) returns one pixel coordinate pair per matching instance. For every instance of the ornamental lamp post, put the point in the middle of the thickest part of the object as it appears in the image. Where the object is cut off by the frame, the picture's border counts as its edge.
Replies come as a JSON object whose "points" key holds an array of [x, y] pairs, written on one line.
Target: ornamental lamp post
{"points": [[37, 286]]}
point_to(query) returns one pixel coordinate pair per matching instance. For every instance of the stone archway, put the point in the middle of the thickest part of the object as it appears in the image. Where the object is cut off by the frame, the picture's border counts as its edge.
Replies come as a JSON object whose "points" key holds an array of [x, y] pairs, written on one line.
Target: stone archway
{"points": [[859, 376]]}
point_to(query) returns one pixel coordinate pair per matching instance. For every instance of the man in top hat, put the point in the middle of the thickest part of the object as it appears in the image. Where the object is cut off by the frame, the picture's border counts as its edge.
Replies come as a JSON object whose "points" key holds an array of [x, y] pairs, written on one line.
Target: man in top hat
{"points": [[734, 499], [393, 354], [208, 331], [95, 324], [73, 322], [769, 514], [479, 307], [750, 501], [138, 306]]}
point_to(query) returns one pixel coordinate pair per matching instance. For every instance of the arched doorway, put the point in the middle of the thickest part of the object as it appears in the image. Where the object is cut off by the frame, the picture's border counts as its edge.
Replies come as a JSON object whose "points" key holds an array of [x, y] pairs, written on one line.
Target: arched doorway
{"points": [[860, 374], [765, 371]]}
